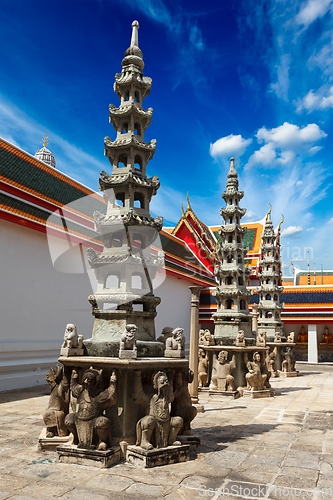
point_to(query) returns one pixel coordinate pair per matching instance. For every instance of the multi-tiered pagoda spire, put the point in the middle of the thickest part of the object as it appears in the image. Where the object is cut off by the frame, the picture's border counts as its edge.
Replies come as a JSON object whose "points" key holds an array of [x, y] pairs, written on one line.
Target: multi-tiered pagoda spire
{"points": [[126, 267], [270, 278], [232, 296]]}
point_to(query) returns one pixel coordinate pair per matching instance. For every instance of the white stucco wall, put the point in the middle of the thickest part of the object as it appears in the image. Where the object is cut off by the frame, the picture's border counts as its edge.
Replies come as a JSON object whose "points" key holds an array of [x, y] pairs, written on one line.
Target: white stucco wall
{"points": [[175, 307], [36, 303], [38, 299]]}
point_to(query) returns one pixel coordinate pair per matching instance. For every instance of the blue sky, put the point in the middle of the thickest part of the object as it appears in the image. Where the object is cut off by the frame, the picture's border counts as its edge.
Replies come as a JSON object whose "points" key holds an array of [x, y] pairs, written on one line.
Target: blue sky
{"points": [[251, 79]]}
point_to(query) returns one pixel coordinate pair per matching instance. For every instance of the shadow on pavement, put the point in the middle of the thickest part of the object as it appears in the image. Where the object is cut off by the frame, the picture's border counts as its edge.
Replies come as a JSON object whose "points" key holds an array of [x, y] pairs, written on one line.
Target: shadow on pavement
{"points": [[217, 437]]}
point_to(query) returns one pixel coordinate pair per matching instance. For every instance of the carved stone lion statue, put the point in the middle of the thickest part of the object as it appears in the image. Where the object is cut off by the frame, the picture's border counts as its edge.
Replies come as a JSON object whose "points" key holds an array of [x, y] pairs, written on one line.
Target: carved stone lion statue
{"points": [[71, 338]]}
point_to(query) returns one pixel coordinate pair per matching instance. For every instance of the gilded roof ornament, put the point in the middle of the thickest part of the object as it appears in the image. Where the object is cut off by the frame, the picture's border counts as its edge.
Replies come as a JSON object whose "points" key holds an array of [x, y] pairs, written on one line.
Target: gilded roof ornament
{"points": [[282, 221], [189, 208], [45, 140], [44, 154], [183, 216]]}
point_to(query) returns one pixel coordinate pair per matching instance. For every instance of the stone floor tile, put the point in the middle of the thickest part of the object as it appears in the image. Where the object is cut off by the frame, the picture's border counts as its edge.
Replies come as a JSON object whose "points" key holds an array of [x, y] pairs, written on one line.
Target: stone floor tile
{"points": [[145, 490], [251, 472], [110, 482], [44, 490], [303, 481], [83, 493], [10, 483], [198, 481], [225, 457]]}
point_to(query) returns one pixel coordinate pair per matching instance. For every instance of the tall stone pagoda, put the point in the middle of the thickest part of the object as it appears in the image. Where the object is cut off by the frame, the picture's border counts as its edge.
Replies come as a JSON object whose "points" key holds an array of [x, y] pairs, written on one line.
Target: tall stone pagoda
{"points": [[125, 269], [270, 278], [231, 294], [123, 359]]}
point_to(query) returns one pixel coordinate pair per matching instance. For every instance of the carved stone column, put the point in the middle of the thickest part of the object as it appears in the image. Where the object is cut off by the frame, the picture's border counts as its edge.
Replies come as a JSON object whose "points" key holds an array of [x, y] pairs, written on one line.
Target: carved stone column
{"points": [[255, 317], [194, 342]]}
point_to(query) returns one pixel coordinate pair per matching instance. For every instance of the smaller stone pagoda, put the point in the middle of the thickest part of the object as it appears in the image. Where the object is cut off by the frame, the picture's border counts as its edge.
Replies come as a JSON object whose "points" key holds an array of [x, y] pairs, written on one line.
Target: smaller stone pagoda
{"points": [[231, 294], [270, 278]]}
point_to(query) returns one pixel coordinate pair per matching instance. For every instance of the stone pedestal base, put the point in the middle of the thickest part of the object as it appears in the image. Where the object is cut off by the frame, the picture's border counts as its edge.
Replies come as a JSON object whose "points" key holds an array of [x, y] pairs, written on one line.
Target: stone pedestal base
{"points": [[157, 456], [193, 441], [51, 444], [174, 353], [200, 408], [128, 354], [265, 393], [71, 351], [288, 374], [230, 394], [92, 458]]}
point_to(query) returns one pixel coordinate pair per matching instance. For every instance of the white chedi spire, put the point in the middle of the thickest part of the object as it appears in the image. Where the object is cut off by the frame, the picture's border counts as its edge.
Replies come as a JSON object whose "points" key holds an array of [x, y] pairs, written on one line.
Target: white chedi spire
{"points": [[45, 154], [135, 34]]}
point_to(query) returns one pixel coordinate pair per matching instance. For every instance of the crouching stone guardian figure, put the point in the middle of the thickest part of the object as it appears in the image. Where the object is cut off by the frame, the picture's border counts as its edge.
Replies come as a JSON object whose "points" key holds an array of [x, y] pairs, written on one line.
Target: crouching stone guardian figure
{"points": [[157, 429], [91, 429]]}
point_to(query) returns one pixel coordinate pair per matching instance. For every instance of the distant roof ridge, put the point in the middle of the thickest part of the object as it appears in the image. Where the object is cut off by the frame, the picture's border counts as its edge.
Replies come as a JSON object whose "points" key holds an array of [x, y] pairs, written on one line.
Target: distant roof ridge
{"points": [[53, 168]]}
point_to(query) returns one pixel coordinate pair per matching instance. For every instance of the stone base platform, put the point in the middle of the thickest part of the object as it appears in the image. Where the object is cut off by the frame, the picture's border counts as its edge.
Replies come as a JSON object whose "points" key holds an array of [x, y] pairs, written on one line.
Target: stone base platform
{"points": [[288, 374], [174, 353], [71, 351], [157, 456], [265, 393], [229, 394], [51, 444], [193, 441], [92, 458], [128, 354]]}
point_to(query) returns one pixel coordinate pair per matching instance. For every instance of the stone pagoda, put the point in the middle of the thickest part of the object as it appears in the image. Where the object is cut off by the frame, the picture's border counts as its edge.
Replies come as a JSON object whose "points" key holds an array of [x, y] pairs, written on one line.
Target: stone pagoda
{"points": [[116, 373], [125, 269], [231, 294], [270, 278]]}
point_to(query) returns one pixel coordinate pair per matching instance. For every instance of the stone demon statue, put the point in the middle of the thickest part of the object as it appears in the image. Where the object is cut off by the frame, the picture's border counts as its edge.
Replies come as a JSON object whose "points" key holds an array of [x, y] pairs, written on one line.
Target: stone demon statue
{"points": [[91, 429], [157, 429], [54, 416]]}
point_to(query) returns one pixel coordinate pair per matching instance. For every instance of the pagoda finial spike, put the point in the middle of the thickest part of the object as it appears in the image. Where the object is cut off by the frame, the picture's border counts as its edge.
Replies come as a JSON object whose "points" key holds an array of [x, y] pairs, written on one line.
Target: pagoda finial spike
{"points": [[232, 171], [135, 34], [45, 140], [183, 210], [188, 203]]}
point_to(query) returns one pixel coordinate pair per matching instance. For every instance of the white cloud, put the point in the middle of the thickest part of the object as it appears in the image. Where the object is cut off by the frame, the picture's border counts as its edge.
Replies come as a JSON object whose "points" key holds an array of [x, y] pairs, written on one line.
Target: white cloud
{"points": [[231, 145], [312, 151], [320, 100], [283, 143], [290, 136], [310, 229], [330, 221], [292, 230], [312, 10], [281, 87], [250, 215]]}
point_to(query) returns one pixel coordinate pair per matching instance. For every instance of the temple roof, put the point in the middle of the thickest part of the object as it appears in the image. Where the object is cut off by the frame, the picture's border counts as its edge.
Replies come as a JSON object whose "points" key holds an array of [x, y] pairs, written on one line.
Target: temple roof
{"points": [[31, 192]]}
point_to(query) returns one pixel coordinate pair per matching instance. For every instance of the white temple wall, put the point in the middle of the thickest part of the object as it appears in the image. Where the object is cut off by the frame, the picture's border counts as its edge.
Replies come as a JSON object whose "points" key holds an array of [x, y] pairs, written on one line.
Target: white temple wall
{"points": [[175, 307], [36, 303]]}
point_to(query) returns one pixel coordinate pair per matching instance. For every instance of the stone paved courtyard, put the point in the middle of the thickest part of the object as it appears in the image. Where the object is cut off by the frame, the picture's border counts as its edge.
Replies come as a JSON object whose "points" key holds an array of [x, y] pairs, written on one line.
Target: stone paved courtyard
{"points": [[264, 448]]}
